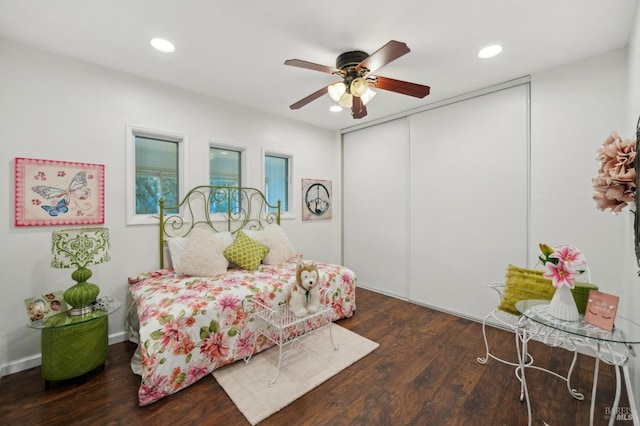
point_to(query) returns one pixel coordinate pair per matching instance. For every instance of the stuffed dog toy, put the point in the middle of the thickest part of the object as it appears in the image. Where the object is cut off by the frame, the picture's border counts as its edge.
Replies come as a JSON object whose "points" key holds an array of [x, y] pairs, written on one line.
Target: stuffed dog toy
{"points": [[304, 298]]}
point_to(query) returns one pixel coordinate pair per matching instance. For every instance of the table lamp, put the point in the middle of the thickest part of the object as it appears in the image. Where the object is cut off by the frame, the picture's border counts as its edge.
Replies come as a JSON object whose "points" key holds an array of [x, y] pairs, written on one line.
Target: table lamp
{"points": [[79, 248]]}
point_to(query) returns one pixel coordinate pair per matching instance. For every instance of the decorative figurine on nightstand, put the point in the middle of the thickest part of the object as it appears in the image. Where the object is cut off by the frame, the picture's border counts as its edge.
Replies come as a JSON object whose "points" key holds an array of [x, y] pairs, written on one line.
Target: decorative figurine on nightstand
{"points": [[304, 298]]}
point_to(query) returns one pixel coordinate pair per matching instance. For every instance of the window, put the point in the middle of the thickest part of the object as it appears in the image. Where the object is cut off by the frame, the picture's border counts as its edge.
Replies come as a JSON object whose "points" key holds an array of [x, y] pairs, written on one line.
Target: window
{"points": [[225, 166], [156, 174], [155, 161], [276, 180]]}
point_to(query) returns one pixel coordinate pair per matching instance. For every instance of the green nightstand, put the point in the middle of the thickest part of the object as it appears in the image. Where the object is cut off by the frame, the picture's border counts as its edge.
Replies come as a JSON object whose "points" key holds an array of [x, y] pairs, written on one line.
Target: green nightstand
{"points": [[73, 346]]}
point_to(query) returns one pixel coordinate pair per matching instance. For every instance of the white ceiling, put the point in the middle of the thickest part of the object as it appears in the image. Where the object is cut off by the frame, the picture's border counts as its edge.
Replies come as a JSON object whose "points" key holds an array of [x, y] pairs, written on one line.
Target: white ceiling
{"points": [[234, 50]]}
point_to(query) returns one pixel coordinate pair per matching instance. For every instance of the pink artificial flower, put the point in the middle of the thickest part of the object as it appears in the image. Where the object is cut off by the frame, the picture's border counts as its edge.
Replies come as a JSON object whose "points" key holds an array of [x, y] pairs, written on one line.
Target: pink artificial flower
{"points": [[615, 183], [561, 274], [603, 203], [568, 255]]}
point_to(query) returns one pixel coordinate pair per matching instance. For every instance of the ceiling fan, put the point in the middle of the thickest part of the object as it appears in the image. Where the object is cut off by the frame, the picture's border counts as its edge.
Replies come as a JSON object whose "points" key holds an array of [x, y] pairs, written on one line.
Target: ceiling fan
{"points": [[356, 68]]}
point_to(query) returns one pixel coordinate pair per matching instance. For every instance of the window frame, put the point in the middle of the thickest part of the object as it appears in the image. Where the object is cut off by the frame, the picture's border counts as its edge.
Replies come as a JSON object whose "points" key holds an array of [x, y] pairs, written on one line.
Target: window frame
{"points": [[144, 131], [242, 149], [284, 214]]}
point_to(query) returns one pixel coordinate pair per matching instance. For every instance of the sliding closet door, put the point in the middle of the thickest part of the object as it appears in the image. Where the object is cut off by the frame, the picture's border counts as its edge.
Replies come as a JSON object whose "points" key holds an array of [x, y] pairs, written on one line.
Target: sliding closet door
{"points": [[468, 197], [375, 206]]}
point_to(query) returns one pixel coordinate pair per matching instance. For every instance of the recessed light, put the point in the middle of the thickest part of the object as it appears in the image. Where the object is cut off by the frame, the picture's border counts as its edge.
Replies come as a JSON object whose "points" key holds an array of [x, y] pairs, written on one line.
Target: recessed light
{"points": [[162, 45], [490, 51], [335, 108]]}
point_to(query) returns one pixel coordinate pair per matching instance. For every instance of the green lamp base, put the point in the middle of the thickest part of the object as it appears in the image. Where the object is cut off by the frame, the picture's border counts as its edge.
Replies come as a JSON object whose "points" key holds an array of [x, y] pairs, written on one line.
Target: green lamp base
{"points": [[81, 296]]}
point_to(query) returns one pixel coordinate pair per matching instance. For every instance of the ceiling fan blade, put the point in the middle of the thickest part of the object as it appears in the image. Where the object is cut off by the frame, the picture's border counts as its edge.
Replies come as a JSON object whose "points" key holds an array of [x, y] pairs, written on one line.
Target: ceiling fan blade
{"points": [[358, 109], [312, 97], [399, 86], [311, 66], [381, 57]]}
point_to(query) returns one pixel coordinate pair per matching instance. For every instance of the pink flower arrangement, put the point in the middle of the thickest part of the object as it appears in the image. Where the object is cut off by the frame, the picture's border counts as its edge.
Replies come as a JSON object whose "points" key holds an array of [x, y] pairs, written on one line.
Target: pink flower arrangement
{"points": [[563, 265], [615, 184]]}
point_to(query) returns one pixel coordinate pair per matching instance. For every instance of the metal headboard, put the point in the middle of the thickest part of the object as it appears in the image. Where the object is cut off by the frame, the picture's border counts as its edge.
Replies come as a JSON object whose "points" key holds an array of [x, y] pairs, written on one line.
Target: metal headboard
{"points": [[236, 208]]}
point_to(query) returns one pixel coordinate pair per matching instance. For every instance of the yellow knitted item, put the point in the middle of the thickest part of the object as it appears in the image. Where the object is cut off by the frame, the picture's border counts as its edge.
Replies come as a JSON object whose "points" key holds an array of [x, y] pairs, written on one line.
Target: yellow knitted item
{"points": [[521, 284]]}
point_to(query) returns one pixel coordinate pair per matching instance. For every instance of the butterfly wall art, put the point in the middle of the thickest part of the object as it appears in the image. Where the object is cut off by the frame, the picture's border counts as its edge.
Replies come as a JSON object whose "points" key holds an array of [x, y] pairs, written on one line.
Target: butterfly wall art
{"points": [[50, 192]]}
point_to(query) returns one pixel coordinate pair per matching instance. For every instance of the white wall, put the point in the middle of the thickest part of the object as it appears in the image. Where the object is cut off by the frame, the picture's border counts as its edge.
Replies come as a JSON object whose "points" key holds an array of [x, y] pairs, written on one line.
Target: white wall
{"points": [[52, 107], [573, 110]]}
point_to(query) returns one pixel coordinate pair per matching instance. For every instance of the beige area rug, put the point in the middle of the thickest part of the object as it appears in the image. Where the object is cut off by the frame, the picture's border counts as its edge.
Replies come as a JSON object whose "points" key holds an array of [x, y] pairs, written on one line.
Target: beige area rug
{"points": [[304, 368]]}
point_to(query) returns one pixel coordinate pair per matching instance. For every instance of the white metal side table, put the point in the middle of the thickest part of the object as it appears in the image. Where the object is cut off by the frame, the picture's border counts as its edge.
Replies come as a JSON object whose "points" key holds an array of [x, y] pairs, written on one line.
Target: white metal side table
{"points": [[279, 325], [611, 347]]}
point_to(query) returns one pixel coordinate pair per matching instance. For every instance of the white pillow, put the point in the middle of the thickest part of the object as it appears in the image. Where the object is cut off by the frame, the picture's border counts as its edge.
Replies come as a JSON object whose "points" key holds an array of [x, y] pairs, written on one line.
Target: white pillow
{"points": [[203, 255], [280, 247], [176, 247]]}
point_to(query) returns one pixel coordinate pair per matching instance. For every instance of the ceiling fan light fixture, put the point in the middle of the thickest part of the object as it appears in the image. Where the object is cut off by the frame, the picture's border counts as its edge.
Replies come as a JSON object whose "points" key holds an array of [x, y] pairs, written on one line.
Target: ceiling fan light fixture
{"points": [[356, 69], [368, 95], [346, 100], [490, 51], [337, 90], [359, 87]]}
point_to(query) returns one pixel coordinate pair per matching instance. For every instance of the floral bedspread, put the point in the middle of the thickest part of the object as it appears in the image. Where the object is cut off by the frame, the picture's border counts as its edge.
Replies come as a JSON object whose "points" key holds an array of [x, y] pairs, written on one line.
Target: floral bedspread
{"points": [[189, 326]]}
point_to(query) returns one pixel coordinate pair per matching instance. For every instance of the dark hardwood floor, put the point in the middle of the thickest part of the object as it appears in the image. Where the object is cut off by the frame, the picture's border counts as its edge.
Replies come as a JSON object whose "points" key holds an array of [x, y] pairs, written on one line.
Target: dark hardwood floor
{"points": [[424, 373]]}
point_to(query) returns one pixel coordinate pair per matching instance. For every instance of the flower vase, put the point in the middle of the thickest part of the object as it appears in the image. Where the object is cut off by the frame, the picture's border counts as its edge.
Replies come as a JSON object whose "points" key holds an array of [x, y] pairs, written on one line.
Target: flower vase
{"points": [[563, 306]]}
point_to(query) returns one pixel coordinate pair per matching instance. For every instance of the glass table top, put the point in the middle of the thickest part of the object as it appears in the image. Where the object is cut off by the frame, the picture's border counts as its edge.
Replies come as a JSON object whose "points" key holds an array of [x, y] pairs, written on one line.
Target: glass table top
{"points": [[63, 319], [624, 330]]}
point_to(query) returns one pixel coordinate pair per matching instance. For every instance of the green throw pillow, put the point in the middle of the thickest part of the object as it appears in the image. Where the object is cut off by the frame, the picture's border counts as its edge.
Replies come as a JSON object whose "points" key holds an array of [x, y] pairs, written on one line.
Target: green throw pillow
{"points": [[245, 252], [524, 284]]}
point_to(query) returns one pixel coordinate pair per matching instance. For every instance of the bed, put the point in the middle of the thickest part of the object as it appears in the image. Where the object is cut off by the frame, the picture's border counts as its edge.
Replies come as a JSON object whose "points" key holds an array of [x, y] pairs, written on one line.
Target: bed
{"points": [[194, 313]]}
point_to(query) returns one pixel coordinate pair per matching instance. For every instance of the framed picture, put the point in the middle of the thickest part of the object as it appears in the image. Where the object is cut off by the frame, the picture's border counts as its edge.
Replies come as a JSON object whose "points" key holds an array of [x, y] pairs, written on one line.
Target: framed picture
{"points": [[52, 192], [316, 199]]}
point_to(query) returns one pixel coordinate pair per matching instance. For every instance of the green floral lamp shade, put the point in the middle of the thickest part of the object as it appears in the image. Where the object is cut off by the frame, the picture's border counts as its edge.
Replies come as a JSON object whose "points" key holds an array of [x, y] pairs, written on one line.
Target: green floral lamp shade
{"points": [[77, 248]]}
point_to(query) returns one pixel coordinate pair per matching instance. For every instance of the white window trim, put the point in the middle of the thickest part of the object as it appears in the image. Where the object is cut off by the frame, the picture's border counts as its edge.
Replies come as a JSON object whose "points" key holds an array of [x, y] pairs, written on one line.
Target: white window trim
{"points": [[244, 153], [137, 130], [292, 201]]}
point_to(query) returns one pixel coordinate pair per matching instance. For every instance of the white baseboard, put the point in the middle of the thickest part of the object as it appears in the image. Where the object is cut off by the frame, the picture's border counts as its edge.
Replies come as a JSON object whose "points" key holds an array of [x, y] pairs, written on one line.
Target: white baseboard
{"points": [[20, 365], [118, 337]]}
